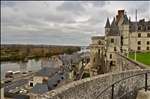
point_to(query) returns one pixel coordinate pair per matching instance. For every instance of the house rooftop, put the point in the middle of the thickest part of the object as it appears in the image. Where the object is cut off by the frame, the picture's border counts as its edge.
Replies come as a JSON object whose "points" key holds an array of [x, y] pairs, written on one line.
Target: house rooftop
{"points": [[45, 71], [39, 88]]}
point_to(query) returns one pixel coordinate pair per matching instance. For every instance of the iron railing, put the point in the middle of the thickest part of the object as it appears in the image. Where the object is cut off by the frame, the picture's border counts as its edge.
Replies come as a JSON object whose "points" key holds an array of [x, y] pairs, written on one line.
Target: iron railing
{"points": [[112, 86]]}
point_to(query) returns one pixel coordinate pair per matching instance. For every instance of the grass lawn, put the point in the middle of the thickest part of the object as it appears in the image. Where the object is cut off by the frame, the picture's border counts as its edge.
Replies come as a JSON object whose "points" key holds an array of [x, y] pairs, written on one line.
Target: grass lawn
{"points": [[141, 57], [86, 75]]}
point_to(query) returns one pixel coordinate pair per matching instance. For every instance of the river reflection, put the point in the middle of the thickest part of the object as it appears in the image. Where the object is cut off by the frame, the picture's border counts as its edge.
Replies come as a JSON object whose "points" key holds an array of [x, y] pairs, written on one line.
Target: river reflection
{"points": [[20, 66]]}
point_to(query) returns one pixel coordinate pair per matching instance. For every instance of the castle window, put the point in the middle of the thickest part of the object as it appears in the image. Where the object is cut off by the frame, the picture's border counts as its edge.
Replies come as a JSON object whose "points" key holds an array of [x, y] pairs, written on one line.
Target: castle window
{"points": [[99, 51], [148, 28], [138, 48], [99, 42], [147, 48], [148, 34], [139, 34], [114, 48], [139, 27], [147, 42], [110, 55], [139, 42], [94, 59], [112, 40]]}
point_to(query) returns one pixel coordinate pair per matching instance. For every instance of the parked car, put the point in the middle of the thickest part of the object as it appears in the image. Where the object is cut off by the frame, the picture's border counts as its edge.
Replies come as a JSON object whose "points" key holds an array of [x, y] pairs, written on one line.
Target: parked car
{"points": [[6, 81], [10, 91], [9, 81]]}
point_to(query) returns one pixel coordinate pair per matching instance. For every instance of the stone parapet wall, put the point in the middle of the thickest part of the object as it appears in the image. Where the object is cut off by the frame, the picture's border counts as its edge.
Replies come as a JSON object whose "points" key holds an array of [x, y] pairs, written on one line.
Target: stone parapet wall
{"points": [[125, 63], [88, 88]]}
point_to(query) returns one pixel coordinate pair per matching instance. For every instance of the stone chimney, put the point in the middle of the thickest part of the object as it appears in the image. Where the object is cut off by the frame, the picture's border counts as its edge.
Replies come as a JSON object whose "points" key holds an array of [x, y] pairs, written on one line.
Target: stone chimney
{"points": [[45, 81], [142, 21], [120, 13]]}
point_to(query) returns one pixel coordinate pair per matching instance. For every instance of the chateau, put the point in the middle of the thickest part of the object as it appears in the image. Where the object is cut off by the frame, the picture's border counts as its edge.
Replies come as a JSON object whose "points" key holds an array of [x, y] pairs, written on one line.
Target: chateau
{"points": [[121, 36]]}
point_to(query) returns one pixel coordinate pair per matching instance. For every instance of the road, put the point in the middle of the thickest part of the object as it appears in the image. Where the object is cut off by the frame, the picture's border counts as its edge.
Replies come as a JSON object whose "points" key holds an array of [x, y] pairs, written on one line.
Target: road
{"points": [[13, 85]]}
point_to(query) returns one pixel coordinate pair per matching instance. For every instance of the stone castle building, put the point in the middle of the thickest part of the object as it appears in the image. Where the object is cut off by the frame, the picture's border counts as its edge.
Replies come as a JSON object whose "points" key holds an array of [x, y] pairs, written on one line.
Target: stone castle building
{"points": [[121, 36]]}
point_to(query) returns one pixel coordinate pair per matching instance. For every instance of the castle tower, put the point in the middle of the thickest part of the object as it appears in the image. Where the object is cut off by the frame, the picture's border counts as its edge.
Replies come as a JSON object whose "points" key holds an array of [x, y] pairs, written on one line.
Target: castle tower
{"points": [[125, 34], [107, 27], [96, 56], [112, 44]]}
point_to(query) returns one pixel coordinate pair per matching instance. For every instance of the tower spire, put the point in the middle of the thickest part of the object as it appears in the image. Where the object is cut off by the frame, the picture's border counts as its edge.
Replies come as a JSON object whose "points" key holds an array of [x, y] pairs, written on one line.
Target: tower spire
{"points": [[107, 23]]}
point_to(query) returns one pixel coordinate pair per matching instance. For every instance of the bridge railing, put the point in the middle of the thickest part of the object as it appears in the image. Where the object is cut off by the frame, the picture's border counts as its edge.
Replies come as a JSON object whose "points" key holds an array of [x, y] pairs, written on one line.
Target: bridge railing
{"points": [[112, 86]]}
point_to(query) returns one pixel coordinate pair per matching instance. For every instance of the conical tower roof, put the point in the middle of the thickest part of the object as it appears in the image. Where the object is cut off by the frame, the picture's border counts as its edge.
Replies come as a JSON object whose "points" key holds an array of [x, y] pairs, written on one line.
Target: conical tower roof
{"points": [[114, 31], [125, 21], [107, 23]]}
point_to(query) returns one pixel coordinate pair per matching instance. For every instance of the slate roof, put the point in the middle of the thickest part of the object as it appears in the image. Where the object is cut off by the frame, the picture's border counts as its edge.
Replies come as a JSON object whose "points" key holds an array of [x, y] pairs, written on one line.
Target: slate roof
{"points": [[66, 68], [125, 21], [45, 72], [56, 80], [114, 31], [39, 88], [53, 82], [133, 24], [107, 24], [50, 64]]}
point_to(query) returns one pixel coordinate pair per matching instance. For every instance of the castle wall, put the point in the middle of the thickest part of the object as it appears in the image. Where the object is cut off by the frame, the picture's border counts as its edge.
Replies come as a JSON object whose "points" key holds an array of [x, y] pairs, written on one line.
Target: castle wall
{"points": [[90, 87], [143, 39]]}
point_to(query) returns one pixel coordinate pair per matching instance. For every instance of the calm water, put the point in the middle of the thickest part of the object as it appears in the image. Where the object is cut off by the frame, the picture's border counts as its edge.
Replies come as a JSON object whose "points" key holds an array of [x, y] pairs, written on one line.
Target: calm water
{"points": [[19, 66]]}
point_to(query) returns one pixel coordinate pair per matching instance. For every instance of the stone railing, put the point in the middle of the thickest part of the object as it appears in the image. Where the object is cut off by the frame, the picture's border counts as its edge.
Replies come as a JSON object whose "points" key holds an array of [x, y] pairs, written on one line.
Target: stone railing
{"points": [[89, 88]]}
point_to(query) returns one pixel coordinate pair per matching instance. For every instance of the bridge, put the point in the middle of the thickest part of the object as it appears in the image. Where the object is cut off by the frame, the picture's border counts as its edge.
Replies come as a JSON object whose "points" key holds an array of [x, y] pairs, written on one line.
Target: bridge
{"points": [[123, 84]]}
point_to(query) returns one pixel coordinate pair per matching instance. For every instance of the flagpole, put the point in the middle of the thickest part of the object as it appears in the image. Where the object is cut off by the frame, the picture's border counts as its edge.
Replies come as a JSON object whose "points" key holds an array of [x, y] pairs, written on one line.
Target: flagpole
{"points": [[135, 36]]}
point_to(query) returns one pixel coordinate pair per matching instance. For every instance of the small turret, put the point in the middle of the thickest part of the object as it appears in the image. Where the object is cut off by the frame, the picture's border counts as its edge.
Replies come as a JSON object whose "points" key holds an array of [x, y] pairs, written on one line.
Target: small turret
{"points": [[107, 26]]}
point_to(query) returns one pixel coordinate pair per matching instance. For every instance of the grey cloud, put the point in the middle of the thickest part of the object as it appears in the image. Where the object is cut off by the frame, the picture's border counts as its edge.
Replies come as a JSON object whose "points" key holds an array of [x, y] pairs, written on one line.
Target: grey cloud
{"points": [[74, 7], [53, 17], [66, 23], [10, 3], [99, 3], [141, 7]]}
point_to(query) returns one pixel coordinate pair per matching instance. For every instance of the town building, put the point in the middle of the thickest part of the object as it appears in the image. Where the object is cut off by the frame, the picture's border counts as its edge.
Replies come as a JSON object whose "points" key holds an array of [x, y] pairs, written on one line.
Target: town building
{"points": [[49, 77], [122, 36]]}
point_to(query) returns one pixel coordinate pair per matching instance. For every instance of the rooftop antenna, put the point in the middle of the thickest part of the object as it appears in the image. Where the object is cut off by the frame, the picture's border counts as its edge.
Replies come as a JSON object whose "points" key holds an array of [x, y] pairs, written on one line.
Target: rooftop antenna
{"points": [[135, 32]]}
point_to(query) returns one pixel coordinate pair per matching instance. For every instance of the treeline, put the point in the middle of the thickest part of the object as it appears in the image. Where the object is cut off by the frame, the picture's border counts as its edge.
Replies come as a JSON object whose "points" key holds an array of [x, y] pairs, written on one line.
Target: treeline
{"points": [[20, 52]]}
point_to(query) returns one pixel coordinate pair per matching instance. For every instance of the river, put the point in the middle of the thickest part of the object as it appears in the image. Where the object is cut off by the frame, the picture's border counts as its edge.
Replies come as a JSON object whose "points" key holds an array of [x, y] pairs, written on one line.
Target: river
{"points": [[31, 65]]}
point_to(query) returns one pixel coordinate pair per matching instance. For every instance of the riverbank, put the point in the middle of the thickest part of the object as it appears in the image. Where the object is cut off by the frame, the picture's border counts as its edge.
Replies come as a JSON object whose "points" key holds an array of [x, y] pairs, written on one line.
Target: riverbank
{"points": [[31, 65]]}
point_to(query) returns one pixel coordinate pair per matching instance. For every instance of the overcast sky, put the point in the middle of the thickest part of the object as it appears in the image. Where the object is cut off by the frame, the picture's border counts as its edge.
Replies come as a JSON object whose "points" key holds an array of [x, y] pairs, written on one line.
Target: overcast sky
{"points": [[62, 22]]}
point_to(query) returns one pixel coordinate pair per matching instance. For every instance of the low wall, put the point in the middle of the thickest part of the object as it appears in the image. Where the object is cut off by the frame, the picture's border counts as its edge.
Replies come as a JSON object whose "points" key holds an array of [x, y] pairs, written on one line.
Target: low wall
{"points": [[88, 88], [124, 63]]}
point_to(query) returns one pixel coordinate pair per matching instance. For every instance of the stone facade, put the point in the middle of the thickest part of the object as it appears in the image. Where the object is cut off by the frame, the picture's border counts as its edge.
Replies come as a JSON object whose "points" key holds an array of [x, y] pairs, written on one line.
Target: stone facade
{"points": [[121, 36], [90, 87]]}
